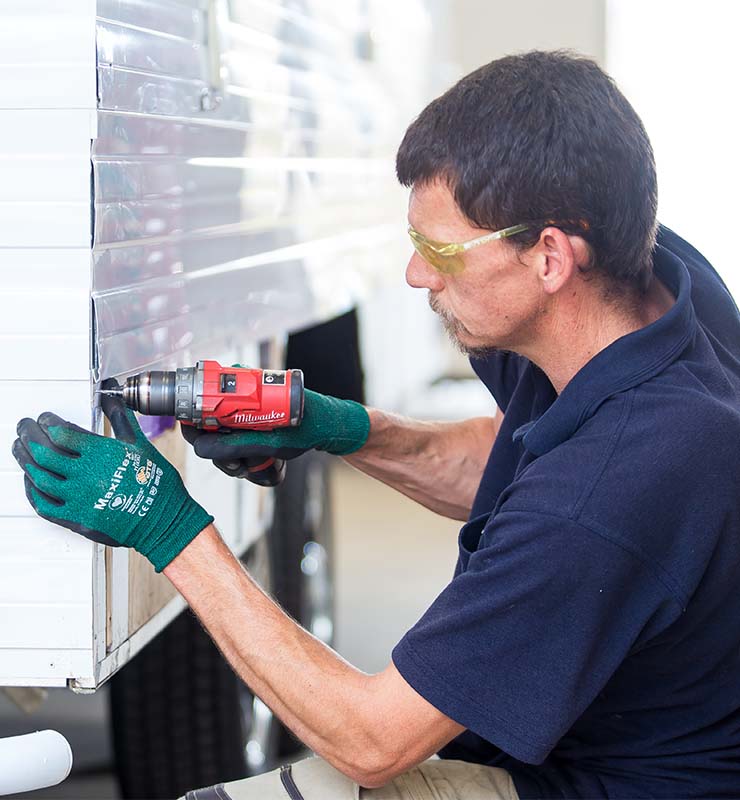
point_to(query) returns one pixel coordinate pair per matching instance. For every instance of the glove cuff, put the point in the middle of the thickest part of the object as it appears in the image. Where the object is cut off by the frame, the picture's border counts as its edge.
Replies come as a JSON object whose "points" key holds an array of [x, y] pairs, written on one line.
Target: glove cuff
{"points": [[189, 521], [352, 431]]}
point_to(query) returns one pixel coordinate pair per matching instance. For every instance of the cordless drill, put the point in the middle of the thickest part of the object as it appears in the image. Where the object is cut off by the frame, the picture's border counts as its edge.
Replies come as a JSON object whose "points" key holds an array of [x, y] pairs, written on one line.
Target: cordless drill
{"points": [[215, 398]]}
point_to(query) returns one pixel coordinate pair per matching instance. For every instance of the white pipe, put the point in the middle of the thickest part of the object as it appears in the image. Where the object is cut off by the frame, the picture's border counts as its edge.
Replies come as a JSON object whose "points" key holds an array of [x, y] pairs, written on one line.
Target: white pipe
{"points": [[33, 761]]}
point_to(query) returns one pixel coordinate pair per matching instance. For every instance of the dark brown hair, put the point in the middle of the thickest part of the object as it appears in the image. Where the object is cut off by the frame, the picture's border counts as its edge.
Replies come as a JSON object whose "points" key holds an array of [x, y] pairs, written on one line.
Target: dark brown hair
{"points": [[542, 137]]}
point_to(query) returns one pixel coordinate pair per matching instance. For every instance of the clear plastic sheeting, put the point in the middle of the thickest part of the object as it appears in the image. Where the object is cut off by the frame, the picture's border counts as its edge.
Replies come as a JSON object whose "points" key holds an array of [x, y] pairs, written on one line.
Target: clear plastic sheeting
{"points": [[243, 200]]}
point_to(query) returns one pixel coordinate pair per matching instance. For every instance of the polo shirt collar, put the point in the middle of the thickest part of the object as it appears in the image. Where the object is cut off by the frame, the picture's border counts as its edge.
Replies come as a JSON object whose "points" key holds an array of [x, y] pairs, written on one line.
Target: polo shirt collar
{"points": [[624, 364]]}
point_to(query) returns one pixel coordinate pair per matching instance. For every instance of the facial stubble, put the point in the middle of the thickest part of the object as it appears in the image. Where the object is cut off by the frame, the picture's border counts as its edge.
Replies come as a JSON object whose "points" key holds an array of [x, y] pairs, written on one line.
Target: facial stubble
{"points": [[453, 328]]}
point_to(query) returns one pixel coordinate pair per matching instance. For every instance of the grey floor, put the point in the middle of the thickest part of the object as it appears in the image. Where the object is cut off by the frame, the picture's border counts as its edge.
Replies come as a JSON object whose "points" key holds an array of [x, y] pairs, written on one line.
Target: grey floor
{"points": [[392, 557]]}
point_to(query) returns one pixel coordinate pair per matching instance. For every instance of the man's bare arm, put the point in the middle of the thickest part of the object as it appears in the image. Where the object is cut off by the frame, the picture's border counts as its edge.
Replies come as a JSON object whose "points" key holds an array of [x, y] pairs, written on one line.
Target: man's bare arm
{"points": [[370, 727], [438, 464]]}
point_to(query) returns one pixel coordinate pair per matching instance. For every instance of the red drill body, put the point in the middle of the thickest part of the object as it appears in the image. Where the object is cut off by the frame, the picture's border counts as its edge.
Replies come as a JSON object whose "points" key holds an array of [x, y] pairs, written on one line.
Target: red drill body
{"points": [[255, 399]]}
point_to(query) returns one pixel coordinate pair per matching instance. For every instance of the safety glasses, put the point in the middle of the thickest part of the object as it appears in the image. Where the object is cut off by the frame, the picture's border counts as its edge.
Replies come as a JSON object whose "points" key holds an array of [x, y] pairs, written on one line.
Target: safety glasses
{"points": [[446, 257]]}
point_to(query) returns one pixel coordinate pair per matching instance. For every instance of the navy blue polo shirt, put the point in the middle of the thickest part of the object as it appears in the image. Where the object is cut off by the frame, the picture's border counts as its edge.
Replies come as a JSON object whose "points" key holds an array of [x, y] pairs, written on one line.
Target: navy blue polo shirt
{"points": [[590, 638]]}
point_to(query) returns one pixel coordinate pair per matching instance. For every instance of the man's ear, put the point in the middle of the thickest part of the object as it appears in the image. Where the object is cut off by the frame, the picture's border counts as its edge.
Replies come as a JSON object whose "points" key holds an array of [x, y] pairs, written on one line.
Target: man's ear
{"points": [[557, 259]]}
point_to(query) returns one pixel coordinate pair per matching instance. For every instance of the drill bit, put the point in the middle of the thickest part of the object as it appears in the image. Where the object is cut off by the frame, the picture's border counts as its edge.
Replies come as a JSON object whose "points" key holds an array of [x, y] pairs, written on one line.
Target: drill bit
{"points": [[114, 392]]}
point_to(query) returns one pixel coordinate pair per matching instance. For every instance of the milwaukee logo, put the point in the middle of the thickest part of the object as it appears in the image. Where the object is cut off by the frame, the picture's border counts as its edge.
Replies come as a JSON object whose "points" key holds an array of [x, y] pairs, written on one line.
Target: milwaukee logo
{"points": [[102, 502], [248, 418]]}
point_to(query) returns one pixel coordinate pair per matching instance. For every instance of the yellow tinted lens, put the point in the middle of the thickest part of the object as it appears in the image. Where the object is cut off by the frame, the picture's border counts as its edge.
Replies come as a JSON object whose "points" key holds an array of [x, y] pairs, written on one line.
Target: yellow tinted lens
{"points": [[448, 265]]}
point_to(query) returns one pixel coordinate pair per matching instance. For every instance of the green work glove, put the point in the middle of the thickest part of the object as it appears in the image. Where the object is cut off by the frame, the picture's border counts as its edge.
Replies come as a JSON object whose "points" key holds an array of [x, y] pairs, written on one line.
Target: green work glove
{"points": [[119, 492], [336, 426]]}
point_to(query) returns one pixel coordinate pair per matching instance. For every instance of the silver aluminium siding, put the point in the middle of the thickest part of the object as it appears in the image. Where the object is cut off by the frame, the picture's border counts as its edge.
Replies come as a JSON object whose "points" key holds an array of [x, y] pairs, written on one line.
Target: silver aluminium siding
{"points": [[240, 184], [276, 208]]}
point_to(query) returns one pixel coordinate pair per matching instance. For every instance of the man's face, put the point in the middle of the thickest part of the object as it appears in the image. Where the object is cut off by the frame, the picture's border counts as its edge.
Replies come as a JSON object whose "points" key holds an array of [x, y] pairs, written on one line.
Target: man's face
{"points": [[495, 302]]}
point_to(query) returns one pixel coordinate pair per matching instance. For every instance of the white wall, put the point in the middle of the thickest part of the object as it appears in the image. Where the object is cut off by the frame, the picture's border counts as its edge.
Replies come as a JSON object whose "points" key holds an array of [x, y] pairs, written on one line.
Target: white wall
{"points": [[482, 30], [677, 63], [465, 35]]}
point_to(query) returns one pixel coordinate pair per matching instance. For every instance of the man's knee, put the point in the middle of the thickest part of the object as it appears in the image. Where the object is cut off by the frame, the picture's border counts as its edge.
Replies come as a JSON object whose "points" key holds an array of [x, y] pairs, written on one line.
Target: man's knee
{"points": [[310, 779], [315, 779]]}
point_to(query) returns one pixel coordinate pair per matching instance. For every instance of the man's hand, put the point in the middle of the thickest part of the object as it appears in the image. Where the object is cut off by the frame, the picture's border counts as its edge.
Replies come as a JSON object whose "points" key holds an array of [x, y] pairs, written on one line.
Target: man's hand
{"points": [[335, 426], [117, 492]]}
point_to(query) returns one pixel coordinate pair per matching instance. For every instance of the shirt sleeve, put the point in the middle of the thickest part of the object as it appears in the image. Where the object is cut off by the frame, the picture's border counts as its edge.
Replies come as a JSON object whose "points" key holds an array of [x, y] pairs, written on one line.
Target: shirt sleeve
{"points": [[521, 642], [500, 372]]}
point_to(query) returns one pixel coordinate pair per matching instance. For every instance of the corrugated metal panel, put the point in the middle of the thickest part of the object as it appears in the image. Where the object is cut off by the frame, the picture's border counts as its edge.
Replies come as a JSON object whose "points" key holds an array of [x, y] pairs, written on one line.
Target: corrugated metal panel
{"points": [[47, 55], [69, 399], [239, 222], [45, 267], [47, 121], [45, 603], [55, 666], [45, 180], [65, 625]]}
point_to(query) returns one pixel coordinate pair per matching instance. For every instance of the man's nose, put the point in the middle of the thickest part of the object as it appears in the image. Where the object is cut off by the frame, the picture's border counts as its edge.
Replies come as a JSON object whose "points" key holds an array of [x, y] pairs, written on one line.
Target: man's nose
{"points": [[422, 275]]}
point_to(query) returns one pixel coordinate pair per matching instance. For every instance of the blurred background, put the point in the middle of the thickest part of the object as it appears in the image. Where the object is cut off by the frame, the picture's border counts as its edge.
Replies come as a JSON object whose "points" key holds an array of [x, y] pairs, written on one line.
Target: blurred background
{"points": [[676, 61]]}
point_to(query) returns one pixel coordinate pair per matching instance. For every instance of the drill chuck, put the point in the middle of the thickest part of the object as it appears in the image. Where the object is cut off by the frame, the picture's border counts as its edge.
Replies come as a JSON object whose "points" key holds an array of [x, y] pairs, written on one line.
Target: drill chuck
{"points": [[151, 393]]}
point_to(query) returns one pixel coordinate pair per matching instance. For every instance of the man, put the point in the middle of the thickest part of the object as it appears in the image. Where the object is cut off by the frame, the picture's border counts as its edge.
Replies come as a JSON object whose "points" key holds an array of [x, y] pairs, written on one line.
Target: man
{"points": [[589, 643]]}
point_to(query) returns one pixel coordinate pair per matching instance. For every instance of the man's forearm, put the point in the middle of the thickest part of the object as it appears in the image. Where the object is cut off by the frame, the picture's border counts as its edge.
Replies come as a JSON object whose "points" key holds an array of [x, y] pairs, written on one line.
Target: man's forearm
{"points": [[438, 464], [357, 722]]}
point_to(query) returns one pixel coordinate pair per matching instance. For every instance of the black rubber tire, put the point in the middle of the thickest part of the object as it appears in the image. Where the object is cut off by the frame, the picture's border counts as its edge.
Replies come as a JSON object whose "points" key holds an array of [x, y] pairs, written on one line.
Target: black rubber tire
{"points": [[175, 715]]}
